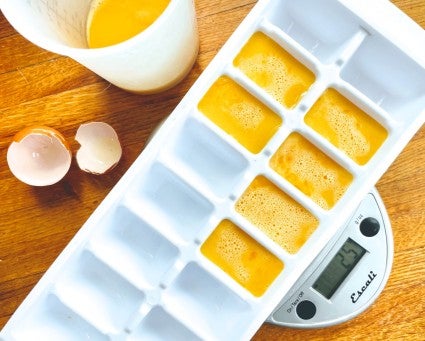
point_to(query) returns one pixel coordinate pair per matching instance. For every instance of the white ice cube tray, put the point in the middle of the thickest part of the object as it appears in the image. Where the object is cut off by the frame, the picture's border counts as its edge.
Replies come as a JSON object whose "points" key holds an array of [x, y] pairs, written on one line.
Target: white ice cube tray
{"points": [[135, 271]]}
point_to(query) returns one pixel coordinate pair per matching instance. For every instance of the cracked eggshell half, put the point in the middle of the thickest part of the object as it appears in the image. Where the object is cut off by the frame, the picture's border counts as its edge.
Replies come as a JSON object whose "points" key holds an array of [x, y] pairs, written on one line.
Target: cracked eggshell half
{"points": [[39, 156], [100, 149]]}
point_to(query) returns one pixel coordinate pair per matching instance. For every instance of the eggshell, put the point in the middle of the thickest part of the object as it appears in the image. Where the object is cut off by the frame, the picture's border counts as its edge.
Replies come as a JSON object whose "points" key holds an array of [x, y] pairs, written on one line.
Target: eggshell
{"points": [[100, 148], [39, 156]]}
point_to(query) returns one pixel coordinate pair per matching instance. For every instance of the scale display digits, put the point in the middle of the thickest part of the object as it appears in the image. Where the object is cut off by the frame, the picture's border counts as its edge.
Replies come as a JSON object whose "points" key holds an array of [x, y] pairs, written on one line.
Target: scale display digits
{"points": [[349, 252], [339, 268]]}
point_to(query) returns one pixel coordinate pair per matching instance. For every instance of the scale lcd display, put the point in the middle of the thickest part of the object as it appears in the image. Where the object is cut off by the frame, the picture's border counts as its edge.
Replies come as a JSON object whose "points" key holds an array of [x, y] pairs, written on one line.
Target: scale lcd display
{"points": [[339, 268]]}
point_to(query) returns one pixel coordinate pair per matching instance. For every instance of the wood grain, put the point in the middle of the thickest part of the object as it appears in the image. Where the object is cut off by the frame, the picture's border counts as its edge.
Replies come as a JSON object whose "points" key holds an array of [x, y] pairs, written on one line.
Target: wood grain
{"points": [[39, 87]]}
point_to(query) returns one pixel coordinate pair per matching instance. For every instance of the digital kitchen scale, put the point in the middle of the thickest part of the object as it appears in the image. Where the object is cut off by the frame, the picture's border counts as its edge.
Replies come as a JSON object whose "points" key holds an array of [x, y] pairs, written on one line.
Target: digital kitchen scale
{"points": [[348, 275]]}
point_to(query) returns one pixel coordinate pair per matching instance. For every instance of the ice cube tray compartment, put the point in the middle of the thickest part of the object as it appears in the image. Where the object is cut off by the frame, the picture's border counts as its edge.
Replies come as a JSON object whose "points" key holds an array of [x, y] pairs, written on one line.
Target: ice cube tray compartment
{"points": [[97, 293], [175, 206], [147, 265], [207, 303], [387, 76], [160, 325], [51, 320], [205, 158], [321, 27], [133, 248], [241, 257]]}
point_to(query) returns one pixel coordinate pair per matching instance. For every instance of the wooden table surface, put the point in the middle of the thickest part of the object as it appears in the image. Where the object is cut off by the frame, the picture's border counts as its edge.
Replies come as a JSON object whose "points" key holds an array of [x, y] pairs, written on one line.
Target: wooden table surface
{"points": [[39, 87]]}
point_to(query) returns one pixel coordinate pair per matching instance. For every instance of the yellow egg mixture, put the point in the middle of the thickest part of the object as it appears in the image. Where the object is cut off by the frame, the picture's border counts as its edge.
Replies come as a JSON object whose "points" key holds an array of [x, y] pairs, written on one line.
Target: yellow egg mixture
{"points": [[239, 114], [242, 258], [311, 171], [280, 217], [275, 70], [346, 126], [114, 21]]}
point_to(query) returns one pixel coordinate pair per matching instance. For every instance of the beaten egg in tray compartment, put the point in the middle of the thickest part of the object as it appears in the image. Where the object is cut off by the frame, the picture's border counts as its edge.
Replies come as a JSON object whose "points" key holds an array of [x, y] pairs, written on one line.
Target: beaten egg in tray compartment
{"points": [[261, 163]]}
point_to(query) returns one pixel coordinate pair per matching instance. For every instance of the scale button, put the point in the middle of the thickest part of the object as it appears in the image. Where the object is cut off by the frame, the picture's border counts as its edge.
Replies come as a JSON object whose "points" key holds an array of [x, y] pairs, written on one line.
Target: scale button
{"points": [[369, 227], [306, 310]]}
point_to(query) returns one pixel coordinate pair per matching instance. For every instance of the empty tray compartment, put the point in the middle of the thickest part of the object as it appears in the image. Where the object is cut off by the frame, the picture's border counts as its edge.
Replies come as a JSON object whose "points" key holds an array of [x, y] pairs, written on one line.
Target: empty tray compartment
{"points": [[208, 158], [166, 199], [133, 248], [97, 293], [321, 27], [51, 320], [203, 301], [159, 325], [388, 77]]}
